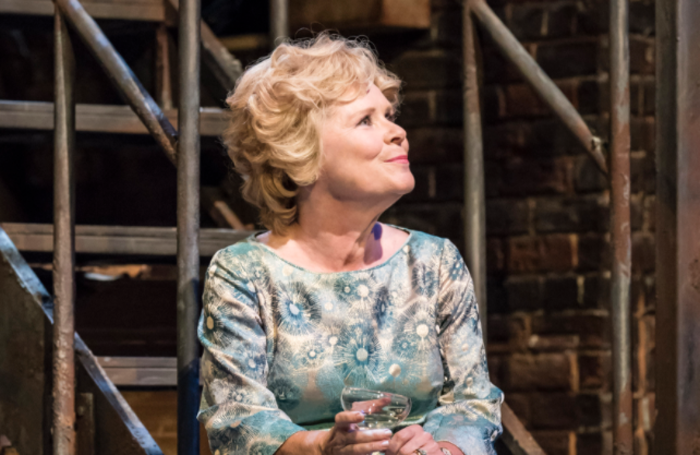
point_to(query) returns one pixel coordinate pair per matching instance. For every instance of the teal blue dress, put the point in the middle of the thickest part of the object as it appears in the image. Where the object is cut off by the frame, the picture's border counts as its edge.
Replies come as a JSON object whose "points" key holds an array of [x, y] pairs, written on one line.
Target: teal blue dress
{"points": [[280, 343]]}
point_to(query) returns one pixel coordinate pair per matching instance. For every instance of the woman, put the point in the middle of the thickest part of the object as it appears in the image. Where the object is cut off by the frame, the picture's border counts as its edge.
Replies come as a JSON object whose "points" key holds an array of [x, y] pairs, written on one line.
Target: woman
{"points": [[328, 296]]}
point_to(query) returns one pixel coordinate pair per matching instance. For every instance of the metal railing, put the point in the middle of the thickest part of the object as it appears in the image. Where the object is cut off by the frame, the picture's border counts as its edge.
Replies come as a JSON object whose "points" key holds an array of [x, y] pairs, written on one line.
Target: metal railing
{"points": [[618, 175], [183, 150]]}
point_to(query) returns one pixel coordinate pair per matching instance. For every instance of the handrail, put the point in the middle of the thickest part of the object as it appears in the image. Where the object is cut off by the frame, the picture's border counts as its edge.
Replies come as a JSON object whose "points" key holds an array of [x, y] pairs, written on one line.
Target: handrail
{"points": [[543, 85], [518, 440], [124, 79]]}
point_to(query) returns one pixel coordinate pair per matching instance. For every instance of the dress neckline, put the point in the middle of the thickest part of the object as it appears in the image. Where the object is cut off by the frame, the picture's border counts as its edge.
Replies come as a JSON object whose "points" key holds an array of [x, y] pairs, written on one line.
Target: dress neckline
{"points": [[402, 249]]}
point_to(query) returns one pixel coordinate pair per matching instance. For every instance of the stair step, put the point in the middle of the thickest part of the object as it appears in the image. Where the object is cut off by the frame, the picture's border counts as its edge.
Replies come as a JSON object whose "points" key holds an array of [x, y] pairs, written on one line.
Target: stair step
{"points": [[160, 241], [141, 10], [38, 115], [140, 371]]}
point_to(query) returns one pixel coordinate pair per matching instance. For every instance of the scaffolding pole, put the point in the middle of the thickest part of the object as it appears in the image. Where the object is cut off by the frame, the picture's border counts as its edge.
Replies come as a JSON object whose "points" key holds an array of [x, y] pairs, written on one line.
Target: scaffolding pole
{"points": [[63, 388], [620, 227], [188, 169]]}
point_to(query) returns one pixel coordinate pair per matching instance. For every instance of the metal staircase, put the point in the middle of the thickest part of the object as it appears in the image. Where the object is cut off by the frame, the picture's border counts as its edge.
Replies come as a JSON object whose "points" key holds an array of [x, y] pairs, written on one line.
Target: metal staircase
{"points": [[105, 424]]}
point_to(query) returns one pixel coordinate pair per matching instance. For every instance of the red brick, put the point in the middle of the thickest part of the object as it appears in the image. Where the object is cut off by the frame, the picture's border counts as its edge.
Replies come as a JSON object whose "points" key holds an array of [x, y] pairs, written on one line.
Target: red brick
{"points": [[415, 109], [643, 133], [641, 55], [568, 58], [650, 212], [643, 252], [553, 343], [435, 145], [561, 292], [593, 252], [441, 219], [507, 216], [556, 442], [596, 291], [597, 443], [495, 258], [554, 411], [524, 293], [593, 327], [546, 371], [547, 253], [522, 101], [536, 176], [643, 172], [587, 175], [572, 214], [428, 68], [520, 404], [594, 371]]}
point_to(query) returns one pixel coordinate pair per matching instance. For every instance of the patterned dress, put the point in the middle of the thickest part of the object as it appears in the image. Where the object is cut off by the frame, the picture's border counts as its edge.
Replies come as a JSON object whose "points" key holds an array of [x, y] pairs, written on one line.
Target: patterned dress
{"points": [[281, 342]]}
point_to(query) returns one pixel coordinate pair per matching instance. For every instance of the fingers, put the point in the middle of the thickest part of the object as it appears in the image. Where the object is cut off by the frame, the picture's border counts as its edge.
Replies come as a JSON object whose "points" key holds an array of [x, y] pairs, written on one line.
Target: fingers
{"points": [[365, 436], [421, 440], [344, 420], [402, 437], [364, 449]]}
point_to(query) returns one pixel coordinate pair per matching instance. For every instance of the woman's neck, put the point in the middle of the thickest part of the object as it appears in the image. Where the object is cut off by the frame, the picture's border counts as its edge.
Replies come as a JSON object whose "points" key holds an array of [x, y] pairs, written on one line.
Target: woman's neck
{"points": [[331, 236]]}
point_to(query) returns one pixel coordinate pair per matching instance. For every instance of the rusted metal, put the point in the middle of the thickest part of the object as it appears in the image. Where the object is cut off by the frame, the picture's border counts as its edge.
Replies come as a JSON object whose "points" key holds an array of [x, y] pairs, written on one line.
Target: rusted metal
{"points": [[542, 84], [518, 440], [164, 90], [677, 228], [63, 365], [474, 194], [188, 230], [620, 232], [279, 21], [121, 75]]}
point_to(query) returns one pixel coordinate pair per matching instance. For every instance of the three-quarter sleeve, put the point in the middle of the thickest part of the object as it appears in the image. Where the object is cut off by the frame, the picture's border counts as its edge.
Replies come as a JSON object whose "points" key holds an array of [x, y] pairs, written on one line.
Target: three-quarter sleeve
{"points": [[469, 411], [239, 412]]}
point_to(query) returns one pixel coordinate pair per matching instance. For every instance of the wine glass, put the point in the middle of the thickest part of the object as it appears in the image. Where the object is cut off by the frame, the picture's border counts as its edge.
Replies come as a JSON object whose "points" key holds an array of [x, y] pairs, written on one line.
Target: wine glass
{"points": [[381, 409]]}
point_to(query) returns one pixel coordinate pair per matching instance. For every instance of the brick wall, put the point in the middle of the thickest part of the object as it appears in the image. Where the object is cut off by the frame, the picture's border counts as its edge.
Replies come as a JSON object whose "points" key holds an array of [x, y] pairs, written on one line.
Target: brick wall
{"points": [[547, 209]]}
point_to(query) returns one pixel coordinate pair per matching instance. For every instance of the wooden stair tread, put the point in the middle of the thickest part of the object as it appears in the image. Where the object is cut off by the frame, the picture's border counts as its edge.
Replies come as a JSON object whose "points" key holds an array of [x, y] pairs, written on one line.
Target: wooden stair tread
{"points": [[130, 240], [39, 115], [141, 10]]}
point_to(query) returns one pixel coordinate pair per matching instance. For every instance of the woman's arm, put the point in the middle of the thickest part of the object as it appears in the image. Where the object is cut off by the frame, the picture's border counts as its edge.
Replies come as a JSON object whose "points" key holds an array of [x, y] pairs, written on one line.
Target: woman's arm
{"points": [[239, 412], [469, 413]]}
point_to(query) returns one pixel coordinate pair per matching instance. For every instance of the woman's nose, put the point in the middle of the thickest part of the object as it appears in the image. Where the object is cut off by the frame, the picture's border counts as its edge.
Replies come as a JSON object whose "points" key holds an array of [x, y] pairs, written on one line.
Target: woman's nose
{"points": [[396, 134]]}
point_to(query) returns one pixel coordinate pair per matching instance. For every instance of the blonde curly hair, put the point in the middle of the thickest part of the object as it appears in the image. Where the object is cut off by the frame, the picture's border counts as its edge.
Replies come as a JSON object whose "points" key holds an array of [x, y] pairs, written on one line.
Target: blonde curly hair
{"points": [[277, 108]]}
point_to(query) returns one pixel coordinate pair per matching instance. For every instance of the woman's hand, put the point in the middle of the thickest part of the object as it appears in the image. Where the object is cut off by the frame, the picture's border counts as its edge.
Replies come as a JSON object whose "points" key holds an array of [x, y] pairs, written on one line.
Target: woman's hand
{"points": [[408, 440], [345, 438]]}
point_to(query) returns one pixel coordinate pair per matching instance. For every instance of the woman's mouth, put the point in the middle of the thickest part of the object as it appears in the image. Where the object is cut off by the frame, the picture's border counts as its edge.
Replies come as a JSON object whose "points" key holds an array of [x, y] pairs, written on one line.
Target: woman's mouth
{"points": [[399, 159]]}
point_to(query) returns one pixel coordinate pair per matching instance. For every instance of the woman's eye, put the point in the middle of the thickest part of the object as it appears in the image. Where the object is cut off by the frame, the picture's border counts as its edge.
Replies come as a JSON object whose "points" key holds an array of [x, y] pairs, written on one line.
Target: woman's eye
{"points": [[392, 116], [366, 121]]}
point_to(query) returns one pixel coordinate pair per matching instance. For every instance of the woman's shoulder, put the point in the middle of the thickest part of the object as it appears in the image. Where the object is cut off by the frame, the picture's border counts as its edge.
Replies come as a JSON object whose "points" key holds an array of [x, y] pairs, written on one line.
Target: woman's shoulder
{"points": [[237, 254]]}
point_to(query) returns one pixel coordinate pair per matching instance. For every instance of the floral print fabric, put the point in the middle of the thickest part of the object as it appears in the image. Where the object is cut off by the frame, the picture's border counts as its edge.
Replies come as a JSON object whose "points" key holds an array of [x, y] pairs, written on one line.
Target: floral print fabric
{"points": [[281, 342]]}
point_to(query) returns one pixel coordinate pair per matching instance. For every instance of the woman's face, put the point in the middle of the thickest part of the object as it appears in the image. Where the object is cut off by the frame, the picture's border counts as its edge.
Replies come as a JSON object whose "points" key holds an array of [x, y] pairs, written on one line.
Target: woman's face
{"points": [[365, 154]]}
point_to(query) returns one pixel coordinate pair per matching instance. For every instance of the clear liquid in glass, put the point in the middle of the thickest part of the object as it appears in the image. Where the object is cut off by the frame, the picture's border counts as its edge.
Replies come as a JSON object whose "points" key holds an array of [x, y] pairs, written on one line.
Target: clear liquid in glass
{"points": [[382, 409]]}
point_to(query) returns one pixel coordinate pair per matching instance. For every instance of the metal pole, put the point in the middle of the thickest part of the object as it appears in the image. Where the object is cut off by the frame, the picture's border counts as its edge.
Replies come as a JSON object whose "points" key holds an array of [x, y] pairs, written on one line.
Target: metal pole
{"points": [[123, 78], [474, 194], [64, 442], [188, 230], [279, 21], [677, 228], [542, 84], [620, 227]]}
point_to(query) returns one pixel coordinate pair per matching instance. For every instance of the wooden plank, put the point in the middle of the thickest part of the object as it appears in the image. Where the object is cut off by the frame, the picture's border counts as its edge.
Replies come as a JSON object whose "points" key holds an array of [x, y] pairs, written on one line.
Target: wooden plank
{"points": [[138, 10], [518, 440], [370, 13], [119, 239], [38, 115]]}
